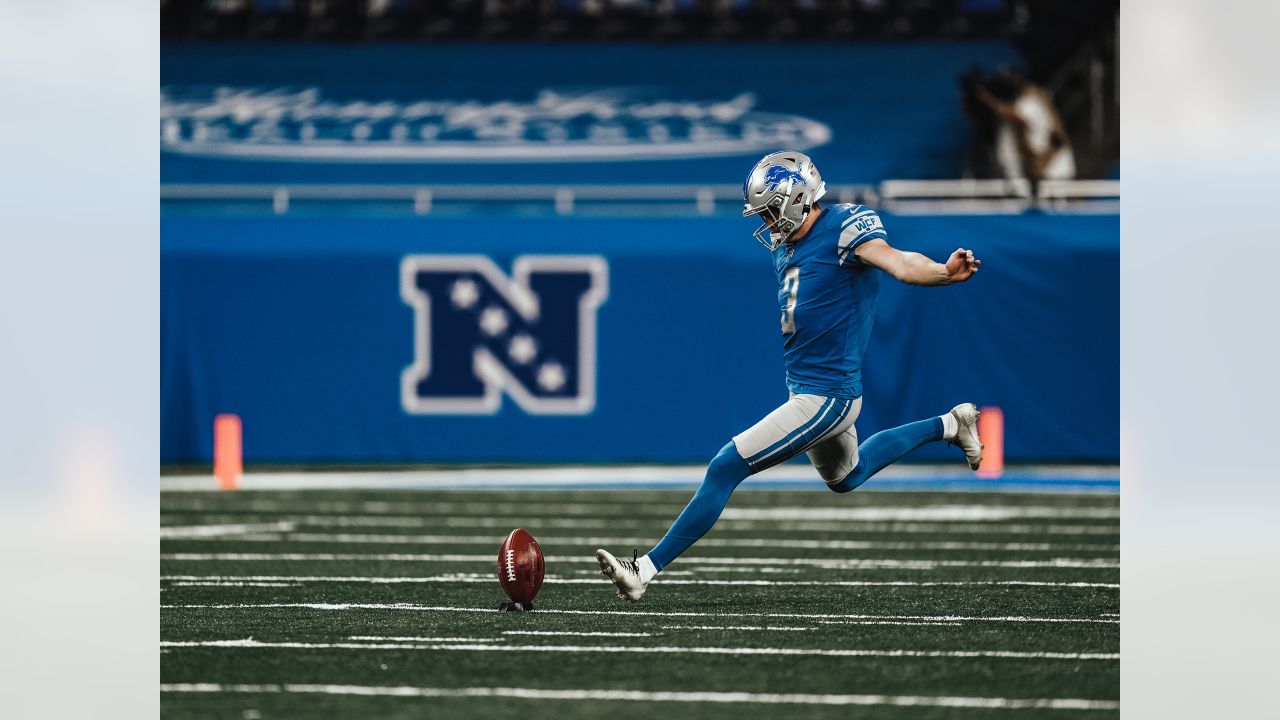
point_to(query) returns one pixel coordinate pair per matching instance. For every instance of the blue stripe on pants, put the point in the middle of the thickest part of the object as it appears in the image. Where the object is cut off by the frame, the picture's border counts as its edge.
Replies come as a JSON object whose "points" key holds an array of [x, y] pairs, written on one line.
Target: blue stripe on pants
{"points": [[825, 425], [803, 427]]}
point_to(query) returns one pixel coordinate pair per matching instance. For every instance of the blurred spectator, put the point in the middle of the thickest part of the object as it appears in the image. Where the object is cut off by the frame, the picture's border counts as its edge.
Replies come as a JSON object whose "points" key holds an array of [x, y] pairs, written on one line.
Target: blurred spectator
{"points": [[667, 19], [1023, 135]]}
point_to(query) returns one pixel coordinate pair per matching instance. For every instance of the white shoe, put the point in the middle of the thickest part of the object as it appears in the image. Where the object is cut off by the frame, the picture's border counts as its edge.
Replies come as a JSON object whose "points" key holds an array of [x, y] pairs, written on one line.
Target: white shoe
{"points": [[966, 439], [624, 573]]}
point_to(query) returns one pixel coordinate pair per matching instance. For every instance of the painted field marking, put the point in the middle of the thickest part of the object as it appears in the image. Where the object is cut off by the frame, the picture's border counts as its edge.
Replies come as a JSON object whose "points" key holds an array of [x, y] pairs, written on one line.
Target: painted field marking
{"points": [[212, 504], [952, 623], [642, 696], [421, 521], [657, 524], [403, 639], [185, 532], [557, 633], [628, 612], [940, 528], [557, 580], [645, 650], [355, 538], [936, 513], [233, 583], [737, 627], [660, 511], [728, 562]]}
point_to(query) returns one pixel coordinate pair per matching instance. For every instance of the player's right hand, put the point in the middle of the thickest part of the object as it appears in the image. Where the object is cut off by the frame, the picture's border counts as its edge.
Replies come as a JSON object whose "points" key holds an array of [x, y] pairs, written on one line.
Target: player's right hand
{"points": [[962, 265]]}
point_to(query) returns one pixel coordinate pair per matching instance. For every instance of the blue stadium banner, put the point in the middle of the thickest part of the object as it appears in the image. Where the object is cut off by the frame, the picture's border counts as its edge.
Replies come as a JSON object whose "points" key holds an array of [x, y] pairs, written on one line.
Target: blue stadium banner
{"points": [[565, 114]]}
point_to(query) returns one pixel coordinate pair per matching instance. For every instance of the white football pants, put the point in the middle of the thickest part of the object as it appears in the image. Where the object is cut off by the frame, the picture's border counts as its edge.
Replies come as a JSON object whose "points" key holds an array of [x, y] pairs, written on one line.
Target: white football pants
{"points": [[821, 427]]}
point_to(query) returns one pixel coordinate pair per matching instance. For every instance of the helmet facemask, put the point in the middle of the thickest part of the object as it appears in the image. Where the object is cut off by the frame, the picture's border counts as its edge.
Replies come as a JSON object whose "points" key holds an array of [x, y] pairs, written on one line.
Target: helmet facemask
{"points": [[774, 228]]}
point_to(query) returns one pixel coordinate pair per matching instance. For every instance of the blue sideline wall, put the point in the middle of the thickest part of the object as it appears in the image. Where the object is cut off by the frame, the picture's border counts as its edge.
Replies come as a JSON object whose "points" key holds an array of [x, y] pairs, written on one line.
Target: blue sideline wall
{"points": [[297, 325]]}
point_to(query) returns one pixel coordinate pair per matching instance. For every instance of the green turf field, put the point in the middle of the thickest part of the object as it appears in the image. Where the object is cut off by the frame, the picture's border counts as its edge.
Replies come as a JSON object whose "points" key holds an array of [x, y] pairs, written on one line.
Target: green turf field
{"points": [[343, 603]]}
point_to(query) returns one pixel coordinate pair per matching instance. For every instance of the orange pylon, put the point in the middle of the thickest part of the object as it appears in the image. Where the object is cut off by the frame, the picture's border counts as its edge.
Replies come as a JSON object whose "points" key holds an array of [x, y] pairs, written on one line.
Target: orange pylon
{"points": [[228, 458], [991, 432]]}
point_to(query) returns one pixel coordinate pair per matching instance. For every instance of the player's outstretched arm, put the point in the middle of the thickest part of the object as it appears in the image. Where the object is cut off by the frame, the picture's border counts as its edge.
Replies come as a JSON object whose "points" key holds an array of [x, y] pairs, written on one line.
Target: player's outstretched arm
{"points": [[916, 269]]}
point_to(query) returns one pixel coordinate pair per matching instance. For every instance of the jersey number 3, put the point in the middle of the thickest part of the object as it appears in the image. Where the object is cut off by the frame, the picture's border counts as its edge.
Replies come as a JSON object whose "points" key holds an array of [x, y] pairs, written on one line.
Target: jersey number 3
{"points": [[790, 288]]}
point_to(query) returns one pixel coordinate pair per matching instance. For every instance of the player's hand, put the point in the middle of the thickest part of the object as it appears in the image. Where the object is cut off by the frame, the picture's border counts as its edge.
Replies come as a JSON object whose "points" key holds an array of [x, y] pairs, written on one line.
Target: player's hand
{"points": [[962, 265]]}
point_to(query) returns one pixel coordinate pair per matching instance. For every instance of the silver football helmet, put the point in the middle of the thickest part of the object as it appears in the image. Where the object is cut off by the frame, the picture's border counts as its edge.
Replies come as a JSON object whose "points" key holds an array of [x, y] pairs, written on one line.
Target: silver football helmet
{"points": [[782, 188]]}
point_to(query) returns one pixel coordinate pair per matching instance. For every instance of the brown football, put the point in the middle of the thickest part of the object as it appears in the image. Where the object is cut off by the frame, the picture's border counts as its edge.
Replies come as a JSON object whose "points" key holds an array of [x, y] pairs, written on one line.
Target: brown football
{"points": [[520, 566]]}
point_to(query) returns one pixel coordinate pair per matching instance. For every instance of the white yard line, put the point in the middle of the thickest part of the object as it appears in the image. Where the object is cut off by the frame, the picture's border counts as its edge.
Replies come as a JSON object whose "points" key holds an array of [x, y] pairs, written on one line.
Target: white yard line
{"points": [[952, 623], [655, 511], [487, 540], [442, 508], [935, 513], [622, 613], [657, 524], [645, 650], [185, 532], [643, 696], [570, 633], [743, 564], [737, 627], [334, 557], [555, 580], [940, 528], [404, 639], [232, 583], [415, 521]]}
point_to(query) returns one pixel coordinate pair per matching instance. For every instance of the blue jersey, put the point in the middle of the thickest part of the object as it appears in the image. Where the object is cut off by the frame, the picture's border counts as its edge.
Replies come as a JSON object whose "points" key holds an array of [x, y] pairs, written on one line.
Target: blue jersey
{"points": [[828, 302]]}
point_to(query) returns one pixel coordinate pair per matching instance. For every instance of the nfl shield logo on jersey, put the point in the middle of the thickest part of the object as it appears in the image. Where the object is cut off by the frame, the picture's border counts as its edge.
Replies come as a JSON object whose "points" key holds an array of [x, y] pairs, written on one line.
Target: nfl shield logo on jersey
{"points": [[479, 333]]}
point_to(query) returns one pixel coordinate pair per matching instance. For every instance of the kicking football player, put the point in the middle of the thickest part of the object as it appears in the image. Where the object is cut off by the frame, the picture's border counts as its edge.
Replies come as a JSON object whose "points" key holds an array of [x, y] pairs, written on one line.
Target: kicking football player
{"points": [[826, 260]]}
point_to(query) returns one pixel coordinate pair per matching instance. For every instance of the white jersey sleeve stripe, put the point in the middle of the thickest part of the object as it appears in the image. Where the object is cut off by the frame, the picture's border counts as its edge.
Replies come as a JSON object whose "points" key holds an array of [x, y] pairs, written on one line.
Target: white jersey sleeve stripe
{"points": [[858, 229]]}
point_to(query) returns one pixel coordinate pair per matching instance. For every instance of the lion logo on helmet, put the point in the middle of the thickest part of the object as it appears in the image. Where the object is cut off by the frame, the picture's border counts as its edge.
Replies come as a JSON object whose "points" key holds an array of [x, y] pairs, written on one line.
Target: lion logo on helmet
{"points": [[778, 174]]}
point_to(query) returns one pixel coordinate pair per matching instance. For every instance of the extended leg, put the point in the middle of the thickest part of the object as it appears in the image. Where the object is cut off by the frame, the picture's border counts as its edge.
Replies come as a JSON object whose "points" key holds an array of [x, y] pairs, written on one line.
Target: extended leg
{"points": [[784, 433]]}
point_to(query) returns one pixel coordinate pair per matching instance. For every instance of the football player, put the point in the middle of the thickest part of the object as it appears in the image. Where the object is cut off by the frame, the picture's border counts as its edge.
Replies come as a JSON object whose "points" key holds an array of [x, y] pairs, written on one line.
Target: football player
{"points": [[828, 261]]}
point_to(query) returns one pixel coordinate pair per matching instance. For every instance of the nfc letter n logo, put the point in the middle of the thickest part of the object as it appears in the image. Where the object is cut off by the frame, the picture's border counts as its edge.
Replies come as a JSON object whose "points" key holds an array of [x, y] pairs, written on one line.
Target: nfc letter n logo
{"points": [[479, 333]]}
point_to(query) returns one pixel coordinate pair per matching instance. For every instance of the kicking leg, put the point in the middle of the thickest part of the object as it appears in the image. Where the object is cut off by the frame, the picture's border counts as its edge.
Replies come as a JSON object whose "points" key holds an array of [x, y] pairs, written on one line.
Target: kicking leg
{"points": [[888, 446], [725, 472]]}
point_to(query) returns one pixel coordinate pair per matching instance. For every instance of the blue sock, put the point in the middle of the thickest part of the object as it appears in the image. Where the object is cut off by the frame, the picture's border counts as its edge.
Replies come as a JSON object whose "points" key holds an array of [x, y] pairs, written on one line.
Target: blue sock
{"points": [[887, 447], [724, 474]]}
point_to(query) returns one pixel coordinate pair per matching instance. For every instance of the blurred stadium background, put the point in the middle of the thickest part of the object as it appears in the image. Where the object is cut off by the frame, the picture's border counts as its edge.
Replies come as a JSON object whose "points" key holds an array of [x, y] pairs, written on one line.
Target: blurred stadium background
{"points": [[319, 158]]}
